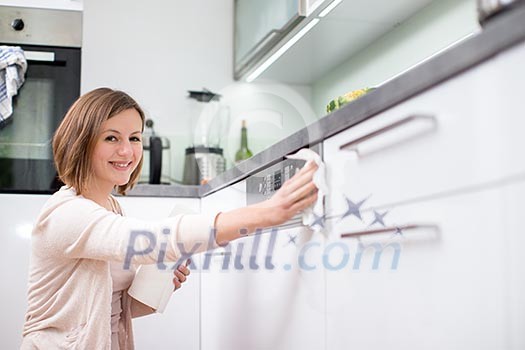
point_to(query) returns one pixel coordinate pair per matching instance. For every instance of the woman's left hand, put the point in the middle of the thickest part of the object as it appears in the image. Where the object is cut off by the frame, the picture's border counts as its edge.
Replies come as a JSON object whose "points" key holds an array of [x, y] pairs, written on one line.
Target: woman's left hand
{"points": [[180, 275]]}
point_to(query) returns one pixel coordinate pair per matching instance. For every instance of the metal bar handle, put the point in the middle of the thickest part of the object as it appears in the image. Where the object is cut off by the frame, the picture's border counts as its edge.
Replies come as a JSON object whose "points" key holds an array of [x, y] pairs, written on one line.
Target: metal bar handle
{"points": [[394, 125], [393, 229], [264, 40], [41, 56], [268, 41]]}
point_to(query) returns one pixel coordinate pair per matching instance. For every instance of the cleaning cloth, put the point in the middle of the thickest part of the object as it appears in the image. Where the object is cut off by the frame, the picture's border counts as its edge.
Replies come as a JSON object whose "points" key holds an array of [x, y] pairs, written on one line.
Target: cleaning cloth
{"points": [[313, 216]]}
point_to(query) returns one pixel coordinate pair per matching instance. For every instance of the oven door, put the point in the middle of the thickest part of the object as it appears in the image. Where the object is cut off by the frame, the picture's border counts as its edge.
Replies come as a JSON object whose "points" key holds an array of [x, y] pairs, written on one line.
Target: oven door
{"points": [[52, 84]]}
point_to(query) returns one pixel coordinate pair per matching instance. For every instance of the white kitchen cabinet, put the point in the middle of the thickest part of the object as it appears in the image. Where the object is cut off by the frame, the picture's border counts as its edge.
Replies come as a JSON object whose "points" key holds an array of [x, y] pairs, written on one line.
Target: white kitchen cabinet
{"points": [[17, 215], [178, 326], [255, 21], [441, 285], [279, 305], [513, 214], [359, 27], [444, 168], [465, 132], [259, 25]]}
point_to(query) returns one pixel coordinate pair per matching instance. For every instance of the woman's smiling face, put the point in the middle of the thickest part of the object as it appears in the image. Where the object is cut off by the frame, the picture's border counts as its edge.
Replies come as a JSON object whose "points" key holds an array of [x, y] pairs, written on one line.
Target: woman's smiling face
{"points": [[118, 150]]}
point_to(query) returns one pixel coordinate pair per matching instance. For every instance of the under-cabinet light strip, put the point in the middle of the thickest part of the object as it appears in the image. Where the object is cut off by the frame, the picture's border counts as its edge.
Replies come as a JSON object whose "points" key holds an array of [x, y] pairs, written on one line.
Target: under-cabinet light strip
{"points": [[428, 58], [281, 51], [329, 8], [314, 7]]}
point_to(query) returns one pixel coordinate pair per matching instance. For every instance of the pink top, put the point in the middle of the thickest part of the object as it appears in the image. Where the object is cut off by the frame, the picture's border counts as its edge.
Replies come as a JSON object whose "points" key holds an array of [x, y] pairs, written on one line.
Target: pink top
{"points": [[70, 289], [121, 281]]}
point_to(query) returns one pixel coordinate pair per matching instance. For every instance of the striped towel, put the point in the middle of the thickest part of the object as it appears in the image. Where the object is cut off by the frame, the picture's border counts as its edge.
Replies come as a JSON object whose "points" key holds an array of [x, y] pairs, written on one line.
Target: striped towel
{"points": [[13, 66]]}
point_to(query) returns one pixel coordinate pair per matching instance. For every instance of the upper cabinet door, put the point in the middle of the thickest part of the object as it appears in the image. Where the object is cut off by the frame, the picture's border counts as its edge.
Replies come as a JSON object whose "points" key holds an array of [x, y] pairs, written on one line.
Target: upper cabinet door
{"points": [[261, 24]]}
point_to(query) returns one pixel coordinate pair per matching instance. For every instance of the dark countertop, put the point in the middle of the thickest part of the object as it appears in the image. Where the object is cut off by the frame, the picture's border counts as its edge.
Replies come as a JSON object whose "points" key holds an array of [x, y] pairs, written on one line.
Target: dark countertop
{"points": [[181, 191], [504, 31]]}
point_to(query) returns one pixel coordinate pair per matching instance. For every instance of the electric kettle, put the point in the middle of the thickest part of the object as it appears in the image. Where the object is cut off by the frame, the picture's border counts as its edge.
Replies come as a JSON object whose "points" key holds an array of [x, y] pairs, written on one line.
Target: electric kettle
{"points": [[156, 155]]}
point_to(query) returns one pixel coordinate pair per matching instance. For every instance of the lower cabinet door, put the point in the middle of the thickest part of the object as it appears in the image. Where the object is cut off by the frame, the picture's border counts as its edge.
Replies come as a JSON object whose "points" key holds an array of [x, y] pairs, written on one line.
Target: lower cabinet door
{"points": [[426, 275], [264, 292], [17, 215], [168, 330], [514, 208]]}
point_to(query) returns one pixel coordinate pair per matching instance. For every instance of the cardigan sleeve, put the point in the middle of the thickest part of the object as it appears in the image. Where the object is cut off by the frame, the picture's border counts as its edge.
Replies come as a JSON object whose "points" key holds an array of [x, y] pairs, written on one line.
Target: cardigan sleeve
{"points": [[80, 228]]}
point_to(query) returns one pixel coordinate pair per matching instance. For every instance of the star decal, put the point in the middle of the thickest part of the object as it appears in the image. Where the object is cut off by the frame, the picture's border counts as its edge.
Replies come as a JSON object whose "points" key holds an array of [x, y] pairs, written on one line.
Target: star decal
{"points": [[353, 209], [378, 218], [318, 220], [398, 232], [291, 239]]}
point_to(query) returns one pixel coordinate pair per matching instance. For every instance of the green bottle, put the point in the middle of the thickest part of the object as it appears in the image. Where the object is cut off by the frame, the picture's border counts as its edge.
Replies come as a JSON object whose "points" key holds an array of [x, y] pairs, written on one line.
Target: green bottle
{"points": [[243, 152]]}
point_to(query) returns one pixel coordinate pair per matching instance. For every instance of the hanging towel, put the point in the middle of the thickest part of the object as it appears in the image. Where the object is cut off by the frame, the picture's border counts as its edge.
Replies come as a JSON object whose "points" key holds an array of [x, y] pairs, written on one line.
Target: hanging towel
{"points": [[13, 66], [313, 216]]}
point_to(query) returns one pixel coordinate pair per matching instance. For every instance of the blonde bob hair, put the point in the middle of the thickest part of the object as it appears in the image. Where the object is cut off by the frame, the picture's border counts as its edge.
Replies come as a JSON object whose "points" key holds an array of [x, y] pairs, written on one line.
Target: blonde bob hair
{"points": [[75, 138]]}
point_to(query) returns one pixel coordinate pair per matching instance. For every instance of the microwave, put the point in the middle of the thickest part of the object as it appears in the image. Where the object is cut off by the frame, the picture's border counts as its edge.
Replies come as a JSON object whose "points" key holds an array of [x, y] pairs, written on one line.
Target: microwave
{"points": [[51, 41]]}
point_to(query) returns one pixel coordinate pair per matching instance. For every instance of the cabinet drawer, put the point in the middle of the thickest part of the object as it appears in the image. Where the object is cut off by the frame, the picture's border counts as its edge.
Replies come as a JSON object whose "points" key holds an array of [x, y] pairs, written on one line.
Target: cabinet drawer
{"points": [[447, 287], [464, 132]]}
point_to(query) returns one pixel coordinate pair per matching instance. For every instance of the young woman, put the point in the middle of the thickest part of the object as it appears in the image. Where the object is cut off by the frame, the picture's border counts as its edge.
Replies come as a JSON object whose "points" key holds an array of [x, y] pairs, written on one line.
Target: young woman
{"points": [[77, 296]]}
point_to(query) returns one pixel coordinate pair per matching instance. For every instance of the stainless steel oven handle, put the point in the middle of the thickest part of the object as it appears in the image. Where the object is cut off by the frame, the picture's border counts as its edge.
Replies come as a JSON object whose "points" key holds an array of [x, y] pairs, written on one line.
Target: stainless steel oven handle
{"points": [[352, 145], [393, 229], [40, 56]]}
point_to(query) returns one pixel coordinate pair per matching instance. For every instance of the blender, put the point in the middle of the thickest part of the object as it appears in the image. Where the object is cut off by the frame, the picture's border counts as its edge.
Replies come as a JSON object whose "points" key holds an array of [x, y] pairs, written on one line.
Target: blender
{"points": [[204, 158]]}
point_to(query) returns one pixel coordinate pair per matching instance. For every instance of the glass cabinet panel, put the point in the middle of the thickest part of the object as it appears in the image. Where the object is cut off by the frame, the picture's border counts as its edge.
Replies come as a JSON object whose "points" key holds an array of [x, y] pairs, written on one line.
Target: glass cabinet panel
{"points": [[258, 26]]}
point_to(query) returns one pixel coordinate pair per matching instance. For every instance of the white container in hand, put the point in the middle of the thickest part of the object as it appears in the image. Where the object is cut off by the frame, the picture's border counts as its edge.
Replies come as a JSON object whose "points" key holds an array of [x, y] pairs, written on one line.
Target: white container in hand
{"points": [[152, 286]]}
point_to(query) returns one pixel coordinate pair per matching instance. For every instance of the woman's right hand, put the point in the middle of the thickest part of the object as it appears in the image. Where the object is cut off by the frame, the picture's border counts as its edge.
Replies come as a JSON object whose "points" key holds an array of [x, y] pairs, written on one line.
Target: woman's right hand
{"points": [[295, 195]]}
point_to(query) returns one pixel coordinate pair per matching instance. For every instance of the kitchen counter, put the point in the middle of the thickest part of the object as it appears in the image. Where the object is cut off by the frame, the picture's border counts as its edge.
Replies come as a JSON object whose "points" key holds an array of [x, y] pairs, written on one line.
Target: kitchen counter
{"points": [[180, 191], [501, 33]]}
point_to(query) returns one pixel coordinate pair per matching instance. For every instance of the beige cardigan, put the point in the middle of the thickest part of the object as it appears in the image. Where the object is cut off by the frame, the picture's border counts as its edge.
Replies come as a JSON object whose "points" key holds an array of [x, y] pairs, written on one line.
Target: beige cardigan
{"points": [[69, 296]]}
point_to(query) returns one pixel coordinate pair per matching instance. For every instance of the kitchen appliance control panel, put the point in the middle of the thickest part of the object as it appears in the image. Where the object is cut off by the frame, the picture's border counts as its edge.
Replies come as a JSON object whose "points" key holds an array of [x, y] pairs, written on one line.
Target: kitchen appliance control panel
{"points": [[262, 185]]}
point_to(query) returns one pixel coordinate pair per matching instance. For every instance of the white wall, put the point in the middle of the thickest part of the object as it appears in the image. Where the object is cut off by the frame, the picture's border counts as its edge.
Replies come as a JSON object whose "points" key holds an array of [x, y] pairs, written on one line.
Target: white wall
{"points": [[432, 29], [156, 50], [159, 49], [273, 111]]}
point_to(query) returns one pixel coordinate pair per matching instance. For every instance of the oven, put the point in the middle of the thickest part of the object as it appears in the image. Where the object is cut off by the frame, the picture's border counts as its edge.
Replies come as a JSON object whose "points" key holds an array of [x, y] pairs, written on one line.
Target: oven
{"points": [[51, 40]]}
